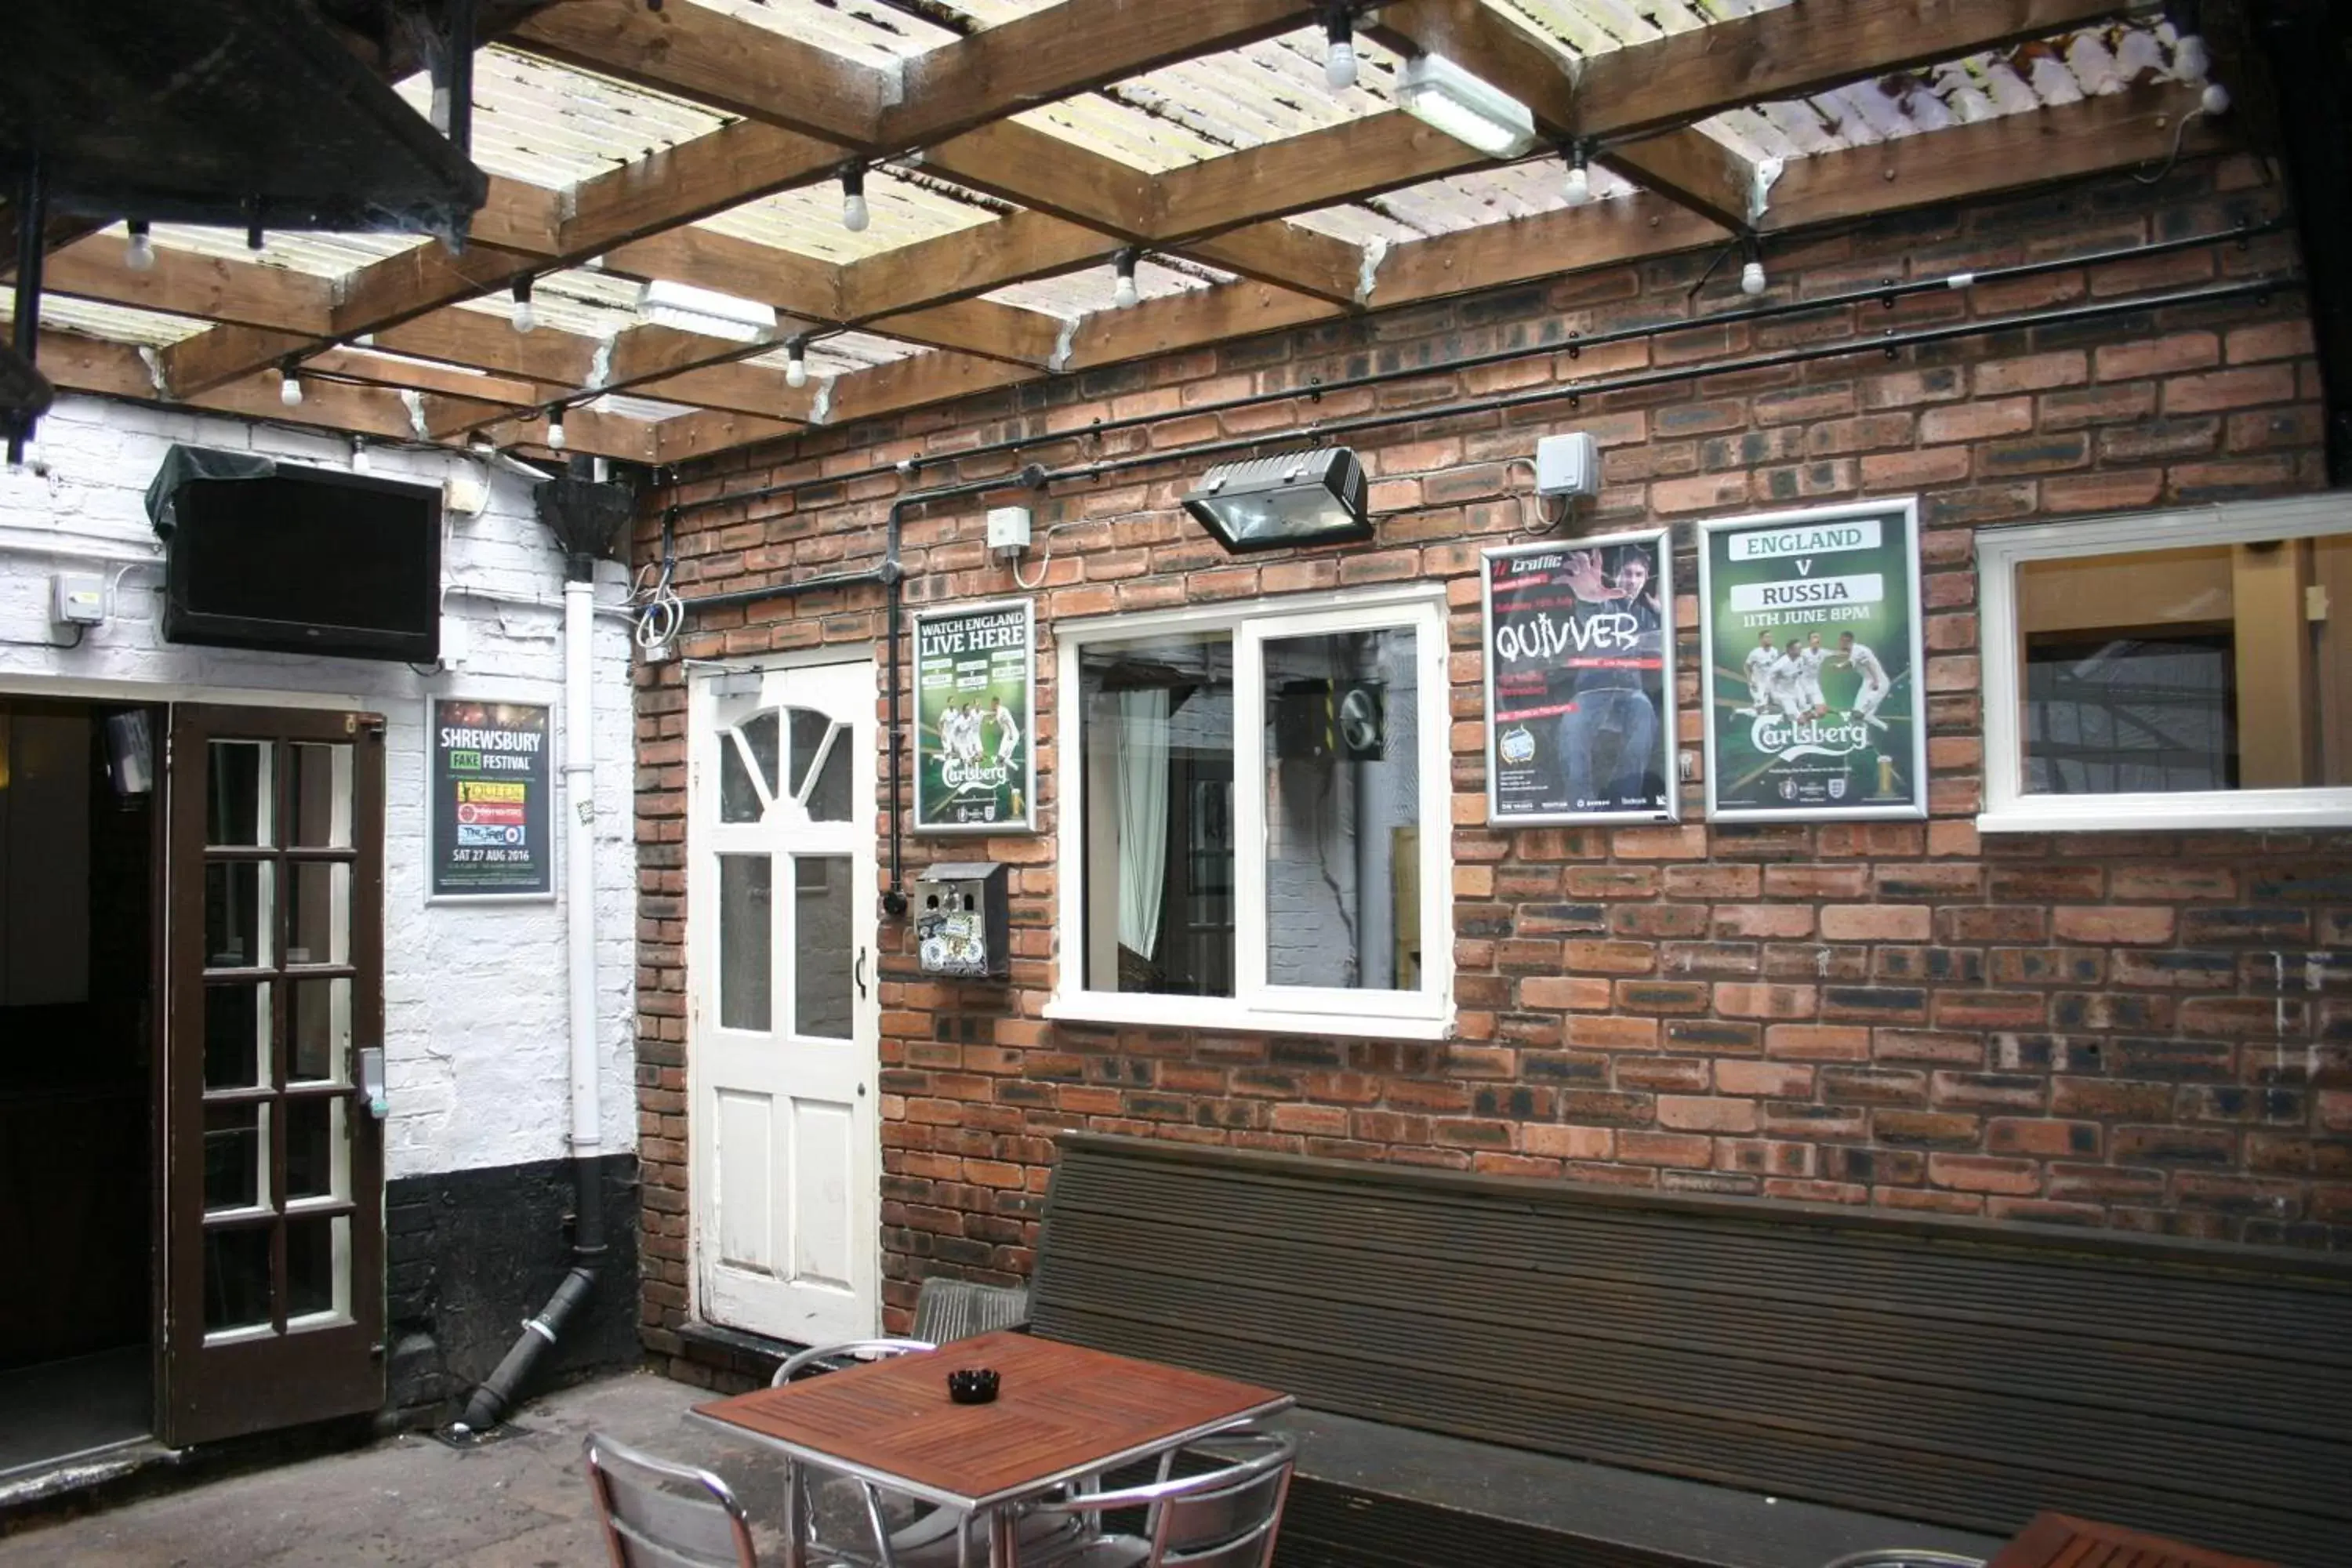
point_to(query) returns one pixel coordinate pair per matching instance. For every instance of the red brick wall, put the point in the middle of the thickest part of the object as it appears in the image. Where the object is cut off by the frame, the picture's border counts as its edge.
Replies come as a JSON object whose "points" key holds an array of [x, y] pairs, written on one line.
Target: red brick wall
{"points": [[2146, 1031]]}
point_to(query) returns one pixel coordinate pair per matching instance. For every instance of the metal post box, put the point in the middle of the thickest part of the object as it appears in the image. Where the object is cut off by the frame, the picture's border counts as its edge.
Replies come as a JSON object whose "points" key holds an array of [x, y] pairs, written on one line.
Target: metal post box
{"points": [[962, 922]]}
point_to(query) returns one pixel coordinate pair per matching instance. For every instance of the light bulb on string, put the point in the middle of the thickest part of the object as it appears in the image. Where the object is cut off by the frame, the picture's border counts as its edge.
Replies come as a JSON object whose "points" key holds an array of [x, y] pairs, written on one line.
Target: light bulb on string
{"points": [[1580, 179], [1752, 280], [854, 216], [1123, 294], [796, 363], [555, 429], [1339, 59], [290, 385], [139, 255], [361, 462], [524, 317]]}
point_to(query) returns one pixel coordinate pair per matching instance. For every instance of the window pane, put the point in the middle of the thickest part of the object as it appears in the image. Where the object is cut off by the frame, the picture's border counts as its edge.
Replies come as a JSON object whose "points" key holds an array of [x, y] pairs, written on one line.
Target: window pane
{"points": [[829, 797], [321, 1022], [237, 1157], [809, 730], [318, 1266], [2209, 668], [317, 1148], [1158, 744], [236, 1278], [738, 801], [322, 796], [237, 1036], [236, 796], [1343, 811], [317, 915], [821, 945], [746, 951], [236, 914]]}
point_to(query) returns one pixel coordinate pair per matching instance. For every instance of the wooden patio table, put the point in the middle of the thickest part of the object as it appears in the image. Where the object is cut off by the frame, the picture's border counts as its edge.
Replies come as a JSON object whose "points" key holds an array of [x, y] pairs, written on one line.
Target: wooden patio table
{"points": [[1062, 1412], [2058, 1540]]}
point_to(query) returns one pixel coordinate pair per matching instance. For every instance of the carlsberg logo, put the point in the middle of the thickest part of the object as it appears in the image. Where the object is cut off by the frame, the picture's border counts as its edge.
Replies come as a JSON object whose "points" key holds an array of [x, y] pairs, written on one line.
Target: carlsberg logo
{"points": [[1774, 735]]}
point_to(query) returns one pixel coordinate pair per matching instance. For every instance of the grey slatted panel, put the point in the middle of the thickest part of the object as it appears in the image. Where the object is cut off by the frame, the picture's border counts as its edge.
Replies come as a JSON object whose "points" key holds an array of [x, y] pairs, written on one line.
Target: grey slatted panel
{"points": [[1947, 1373], [949, 1310]]}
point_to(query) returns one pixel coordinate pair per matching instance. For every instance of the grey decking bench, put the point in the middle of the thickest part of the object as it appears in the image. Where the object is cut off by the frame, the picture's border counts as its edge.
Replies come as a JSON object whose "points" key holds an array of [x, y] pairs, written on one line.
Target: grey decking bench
{"points": [[1499, 1371]]}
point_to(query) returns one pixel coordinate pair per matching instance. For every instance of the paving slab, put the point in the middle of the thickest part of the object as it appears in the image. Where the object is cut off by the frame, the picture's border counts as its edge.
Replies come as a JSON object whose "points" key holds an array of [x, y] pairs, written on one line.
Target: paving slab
{"points": [[519, 1503]]}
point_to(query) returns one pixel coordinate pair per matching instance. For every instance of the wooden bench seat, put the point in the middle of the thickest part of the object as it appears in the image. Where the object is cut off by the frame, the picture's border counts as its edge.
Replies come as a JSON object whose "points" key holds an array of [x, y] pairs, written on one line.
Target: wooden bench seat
{"points": [[1952, 1373]]}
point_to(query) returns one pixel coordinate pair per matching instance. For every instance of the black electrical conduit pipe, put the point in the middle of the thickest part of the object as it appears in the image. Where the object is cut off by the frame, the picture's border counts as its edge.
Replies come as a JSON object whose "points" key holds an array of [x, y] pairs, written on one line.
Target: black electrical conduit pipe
{"points": [[1035, 477], [1886, 292]]}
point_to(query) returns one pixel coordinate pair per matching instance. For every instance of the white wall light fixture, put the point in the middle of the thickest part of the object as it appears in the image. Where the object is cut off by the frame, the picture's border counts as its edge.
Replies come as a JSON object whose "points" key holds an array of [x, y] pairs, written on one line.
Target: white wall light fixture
{"points": [[1470, 109], [1299, 498], [688, 309]]}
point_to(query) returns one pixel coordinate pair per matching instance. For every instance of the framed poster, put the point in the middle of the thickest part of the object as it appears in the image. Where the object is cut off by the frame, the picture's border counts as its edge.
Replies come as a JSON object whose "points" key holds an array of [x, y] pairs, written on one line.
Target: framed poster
{"points": [[975, 702], [1580, 680], [490, 779], [1809, 638]]}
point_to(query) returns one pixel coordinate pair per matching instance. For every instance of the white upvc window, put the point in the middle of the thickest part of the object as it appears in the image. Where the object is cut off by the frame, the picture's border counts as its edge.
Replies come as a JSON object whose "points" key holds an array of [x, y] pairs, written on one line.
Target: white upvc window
{"points": [[1255, 817], [2170, 670]]}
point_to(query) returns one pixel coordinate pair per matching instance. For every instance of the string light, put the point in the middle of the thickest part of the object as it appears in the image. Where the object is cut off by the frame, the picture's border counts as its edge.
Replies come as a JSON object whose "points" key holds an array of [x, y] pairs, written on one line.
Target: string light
{"points": [[1339, 61], [854, 216], [796, 362], [1123, 295], [555, 428], [524, 317], [361, 462], [290, 385], [140, 254], [1752, 280]]}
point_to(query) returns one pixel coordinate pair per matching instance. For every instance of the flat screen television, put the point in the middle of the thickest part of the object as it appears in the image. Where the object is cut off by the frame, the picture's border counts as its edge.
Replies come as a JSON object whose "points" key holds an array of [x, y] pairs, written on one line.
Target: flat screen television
{"points": [[306, 561]]}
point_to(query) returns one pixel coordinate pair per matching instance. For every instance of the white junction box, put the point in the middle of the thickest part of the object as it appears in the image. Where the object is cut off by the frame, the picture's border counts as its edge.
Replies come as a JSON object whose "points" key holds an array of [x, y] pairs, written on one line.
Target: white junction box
{"points": [[1568, 465], [80, 599], [1008, 530]]}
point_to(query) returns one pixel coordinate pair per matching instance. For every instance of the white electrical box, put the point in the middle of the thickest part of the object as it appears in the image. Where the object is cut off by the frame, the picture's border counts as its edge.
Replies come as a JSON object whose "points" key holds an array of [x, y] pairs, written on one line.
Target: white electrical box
{"points": [[1008, 530], [1568, 465], [80, 599], [465, 495]]}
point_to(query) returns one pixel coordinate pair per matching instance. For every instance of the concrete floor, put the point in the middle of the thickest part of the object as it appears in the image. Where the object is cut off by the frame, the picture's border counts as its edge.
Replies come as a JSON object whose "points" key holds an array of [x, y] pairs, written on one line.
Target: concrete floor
{"points": [[519, 1502]]}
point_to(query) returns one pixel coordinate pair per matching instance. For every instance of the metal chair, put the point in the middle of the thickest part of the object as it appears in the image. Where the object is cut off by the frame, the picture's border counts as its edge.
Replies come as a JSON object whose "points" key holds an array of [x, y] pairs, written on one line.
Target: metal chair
{"points": [[949, 1310], [1222, 1518], [1904, 1557], [658, 1514], [933, 1537]]}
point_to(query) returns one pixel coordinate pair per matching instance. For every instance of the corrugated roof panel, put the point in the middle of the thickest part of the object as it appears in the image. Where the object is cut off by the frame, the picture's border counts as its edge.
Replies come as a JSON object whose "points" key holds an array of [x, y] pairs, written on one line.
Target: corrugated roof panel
{"points": [[550, 125], [115, 323], [1220, 103], [1083, 292], [864, 30], [902, 207], [319, 254], [843, 353], [646, 410]]}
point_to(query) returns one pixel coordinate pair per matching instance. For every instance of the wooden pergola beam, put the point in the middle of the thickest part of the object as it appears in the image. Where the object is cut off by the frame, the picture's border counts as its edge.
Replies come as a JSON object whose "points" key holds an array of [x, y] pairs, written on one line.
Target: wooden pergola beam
{"points": [[1690, 167], [184, 283]]}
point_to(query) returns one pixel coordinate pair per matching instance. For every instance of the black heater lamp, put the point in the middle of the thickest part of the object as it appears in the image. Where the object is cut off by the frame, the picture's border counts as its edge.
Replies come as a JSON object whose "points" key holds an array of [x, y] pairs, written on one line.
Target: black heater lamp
{"points": [[1296, 499]]}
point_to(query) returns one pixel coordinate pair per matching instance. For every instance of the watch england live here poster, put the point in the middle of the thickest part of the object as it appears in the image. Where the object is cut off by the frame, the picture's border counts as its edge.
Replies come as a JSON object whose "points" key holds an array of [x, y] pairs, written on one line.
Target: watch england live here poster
{"points": [[1579, 681], [490, 775], [974, 698], [1810, 643]]}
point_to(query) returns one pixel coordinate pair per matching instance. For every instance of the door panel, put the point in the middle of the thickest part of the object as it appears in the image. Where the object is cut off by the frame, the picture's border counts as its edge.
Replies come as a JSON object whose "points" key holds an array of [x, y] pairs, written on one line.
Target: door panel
{"points": [[273, 1184], [785, 1023]]}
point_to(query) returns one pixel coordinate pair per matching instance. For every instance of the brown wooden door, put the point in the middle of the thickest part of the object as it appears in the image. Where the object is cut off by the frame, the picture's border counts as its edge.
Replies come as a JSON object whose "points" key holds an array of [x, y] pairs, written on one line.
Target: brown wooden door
{"points": [[273, 1184]]}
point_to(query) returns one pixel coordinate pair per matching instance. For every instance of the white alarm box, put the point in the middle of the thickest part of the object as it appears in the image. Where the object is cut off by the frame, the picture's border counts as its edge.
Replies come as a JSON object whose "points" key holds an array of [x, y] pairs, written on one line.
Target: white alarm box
{"points": [[1568, 465]]}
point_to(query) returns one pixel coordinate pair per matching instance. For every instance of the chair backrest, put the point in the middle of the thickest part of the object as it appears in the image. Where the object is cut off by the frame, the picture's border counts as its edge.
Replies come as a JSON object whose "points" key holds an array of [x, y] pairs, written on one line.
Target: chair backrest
{"points": [[819, 1358], [658, 1514], [957, 1310], [1222, 1517]]}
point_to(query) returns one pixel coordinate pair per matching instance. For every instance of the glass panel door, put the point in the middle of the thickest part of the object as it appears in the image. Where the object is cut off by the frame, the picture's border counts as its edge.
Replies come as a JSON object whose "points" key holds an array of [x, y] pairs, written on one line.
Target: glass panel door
{"points": [[274, 1187]]}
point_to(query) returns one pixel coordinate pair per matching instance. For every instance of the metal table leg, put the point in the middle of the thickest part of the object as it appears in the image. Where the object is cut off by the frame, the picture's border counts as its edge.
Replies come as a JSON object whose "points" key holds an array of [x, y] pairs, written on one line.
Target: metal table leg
{"points": [[1003, 1537]]}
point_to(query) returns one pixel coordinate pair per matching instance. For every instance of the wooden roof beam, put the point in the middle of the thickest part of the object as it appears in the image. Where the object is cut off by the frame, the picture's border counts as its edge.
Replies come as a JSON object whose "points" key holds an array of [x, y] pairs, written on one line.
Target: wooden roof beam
{"points": [[187, 283]]}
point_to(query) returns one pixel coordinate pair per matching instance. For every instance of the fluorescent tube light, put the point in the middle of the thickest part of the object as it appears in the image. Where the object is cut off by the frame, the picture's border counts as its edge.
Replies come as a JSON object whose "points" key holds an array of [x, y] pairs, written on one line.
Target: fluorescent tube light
{"points": [[663, 303], [1469, 108]]}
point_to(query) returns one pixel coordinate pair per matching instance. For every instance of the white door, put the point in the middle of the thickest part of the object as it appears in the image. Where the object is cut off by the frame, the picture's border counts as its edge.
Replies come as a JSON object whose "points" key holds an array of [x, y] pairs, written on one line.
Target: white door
{"points": [[783, 1023]]}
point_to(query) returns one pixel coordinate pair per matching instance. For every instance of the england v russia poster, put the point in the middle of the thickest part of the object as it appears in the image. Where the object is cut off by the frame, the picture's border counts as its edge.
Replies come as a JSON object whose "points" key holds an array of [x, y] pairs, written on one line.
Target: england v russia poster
{"points": [[1812, 664]]}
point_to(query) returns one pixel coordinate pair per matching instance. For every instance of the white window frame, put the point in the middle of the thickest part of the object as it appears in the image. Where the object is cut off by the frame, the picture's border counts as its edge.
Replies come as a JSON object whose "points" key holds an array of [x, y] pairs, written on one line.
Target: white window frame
{"points": [[2000, 551], [1426, 1013]]}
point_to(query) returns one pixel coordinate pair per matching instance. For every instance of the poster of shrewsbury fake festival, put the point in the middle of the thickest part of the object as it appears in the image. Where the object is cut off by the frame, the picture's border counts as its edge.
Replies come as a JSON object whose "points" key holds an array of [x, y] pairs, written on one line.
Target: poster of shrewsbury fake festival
{"points": [[1810, 653], [974, 705]]}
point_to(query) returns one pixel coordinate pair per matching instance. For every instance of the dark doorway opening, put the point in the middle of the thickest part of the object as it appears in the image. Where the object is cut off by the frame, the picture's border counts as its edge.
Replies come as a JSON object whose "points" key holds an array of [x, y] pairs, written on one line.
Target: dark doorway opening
{"points": [[77, 1031]]}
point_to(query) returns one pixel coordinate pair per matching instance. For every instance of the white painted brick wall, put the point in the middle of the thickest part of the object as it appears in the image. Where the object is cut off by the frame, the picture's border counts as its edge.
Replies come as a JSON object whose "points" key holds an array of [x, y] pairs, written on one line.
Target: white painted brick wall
{"points": [[475, 1013]]}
